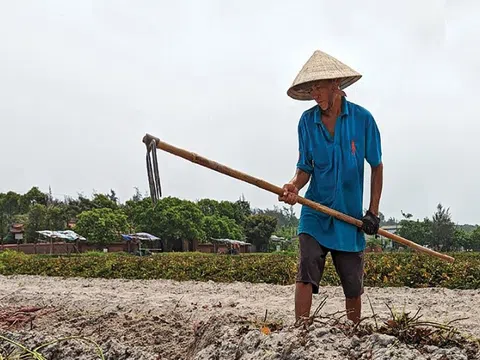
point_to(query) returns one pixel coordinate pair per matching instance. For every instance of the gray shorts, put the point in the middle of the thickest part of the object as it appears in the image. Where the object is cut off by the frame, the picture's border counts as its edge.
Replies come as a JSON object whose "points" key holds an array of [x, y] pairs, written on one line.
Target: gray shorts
{"points": [[348, 265]]}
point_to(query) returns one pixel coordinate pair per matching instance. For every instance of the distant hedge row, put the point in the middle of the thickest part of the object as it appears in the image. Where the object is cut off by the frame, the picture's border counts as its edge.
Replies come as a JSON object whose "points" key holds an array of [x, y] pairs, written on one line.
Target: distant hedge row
{"points": [[381, 270]]}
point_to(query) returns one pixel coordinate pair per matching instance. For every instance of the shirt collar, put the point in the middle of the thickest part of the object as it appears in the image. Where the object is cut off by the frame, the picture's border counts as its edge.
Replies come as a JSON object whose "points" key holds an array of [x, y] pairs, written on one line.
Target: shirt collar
{"points": [[343, 111]]}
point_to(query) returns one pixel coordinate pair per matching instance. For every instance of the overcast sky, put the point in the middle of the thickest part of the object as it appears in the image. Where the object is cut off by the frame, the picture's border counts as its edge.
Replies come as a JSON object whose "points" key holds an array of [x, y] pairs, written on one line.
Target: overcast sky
{"points": [[82, 81]]}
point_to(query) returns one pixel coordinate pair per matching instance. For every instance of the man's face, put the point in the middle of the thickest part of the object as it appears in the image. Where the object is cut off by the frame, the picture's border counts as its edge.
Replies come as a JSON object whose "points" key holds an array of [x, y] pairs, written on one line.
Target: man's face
{"points": [[321, 92]]}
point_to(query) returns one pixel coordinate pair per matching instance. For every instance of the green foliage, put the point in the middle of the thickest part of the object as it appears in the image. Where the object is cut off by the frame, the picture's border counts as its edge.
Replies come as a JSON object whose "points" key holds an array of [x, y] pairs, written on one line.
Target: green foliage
{"points": [[287, 232], [416, 231], [9, 207], [439, 233], [468, 228], [136, 210], [20, 351], [77, 206], [32, 197], [381, 269], [41, 217], [287, 224], [443, 229], [36, 220], [4, 222], [219, 227], [242, 210], [10, 204], [102, 201], [285, 216], [211, 207], [237, 211], [258, 230], [174, 220], [473, 241], [389, 221], [55, 218], [102, 226], [373, 242], [461, 239]]}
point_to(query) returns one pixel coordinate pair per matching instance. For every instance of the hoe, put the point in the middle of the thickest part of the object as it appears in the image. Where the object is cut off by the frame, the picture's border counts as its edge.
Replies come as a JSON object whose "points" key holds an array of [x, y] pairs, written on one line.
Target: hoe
{"points": [[152, 143]]}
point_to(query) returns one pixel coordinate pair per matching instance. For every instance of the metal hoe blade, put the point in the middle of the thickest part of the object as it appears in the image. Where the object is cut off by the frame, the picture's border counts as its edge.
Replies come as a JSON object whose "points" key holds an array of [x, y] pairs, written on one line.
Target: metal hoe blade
{"points": [[152, 171]]}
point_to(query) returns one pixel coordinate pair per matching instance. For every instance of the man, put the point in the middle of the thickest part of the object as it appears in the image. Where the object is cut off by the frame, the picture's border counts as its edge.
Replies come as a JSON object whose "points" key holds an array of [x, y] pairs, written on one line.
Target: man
{"points": [[335, 138]]}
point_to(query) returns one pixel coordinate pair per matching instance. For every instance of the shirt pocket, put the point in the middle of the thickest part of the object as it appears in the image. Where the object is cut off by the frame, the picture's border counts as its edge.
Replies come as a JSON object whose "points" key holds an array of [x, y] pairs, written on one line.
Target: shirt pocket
{"points": [[324, 171]]}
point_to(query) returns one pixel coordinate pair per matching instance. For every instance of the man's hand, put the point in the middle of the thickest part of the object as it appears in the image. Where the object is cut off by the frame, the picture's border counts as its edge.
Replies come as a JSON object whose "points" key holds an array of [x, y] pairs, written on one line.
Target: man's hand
{"points": [[290, 194], [291, 189], [371, 223]]}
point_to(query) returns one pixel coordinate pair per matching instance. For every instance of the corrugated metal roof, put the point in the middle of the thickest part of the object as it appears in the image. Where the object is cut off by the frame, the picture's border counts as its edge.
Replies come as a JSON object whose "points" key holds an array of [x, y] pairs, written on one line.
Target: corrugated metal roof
{"points": [[142, 236], [65, 235], [230, 241]]}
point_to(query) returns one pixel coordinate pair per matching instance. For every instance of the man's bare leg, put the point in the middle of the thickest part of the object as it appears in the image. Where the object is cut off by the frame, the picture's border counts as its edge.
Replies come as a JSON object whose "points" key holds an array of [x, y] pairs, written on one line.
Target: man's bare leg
{"points": [[354, 308], [303, 300]]}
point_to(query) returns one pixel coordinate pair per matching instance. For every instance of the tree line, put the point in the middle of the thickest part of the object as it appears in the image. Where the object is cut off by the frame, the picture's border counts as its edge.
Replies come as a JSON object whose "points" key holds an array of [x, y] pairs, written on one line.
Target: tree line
{"points": [[102, 217], [439, 232]]}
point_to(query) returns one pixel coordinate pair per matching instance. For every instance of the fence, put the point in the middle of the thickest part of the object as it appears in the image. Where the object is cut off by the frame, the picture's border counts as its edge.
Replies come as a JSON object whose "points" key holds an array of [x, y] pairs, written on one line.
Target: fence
{"points": [[215, 248], [128, 246], [67, 248]]}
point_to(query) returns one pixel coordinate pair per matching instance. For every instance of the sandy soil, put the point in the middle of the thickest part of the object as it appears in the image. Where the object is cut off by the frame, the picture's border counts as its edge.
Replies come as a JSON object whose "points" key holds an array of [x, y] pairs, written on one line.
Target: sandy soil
{"points": [[163, 319]]}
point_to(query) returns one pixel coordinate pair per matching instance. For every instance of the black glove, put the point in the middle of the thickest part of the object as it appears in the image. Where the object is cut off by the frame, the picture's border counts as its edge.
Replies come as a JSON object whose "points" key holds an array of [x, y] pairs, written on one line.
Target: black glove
{"points": [[371, 223]]}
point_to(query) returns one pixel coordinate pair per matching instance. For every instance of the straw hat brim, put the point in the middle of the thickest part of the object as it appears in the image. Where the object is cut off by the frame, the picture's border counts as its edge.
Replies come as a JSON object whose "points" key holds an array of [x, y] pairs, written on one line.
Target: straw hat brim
{"points": [[321, 66]]}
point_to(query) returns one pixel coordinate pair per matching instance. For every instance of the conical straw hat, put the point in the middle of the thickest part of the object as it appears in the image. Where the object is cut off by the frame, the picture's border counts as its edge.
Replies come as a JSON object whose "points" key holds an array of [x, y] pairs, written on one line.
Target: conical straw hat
{"points": [[321, 66]]}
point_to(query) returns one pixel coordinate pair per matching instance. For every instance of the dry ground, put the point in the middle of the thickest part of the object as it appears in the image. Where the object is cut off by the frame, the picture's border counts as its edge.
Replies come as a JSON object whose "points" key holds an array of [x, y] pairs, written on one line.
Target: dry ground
{"points": [[161, 319]]}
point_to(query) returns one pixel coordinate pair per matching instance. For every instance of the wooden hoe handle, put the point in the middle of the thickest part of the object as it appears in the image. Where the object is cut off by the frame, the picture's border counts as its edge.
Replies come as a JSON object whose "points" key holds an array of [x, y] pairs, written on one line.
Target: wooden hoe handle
{"points": [[200, 160]]}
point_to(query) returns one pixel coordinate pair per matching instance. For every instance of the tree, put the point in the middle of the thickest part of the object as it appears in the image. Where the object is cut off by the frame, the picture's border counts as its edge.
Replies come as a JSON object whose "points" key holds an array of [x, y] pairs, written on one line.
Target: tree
{"points": [[390, 221], [36, 221], [443, 229], [258, 230], [461, 239], [382, 217], [113, 196], [474, 240], [287, 222], [238, 210], [174, 220], [3, 224], [137, 213], [102, 226], [137, 196], [417, 231], [33, 196], [221, 227], [102, 201], [77, 206], [241, 210], [55, 218], [10, 204], [209, 207], [438, 233], [285, 216]]}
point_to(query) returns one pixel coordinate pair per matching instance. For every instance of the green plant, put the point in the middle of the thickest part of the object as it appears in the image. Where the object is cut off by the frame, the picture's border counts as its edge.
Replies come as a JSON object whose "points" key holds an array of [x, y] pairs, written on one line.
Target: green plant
{"points": [[381, 269], [259, 229], [24, 353], [102, 226]]}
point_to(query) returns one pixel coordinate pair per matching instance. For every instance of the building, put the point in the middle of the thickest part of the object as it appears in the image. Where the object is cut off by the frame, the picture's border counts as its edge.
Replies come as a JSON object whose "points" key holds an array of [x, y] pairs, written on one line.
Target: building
{"points": [[17, 231], [386, 242]]}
